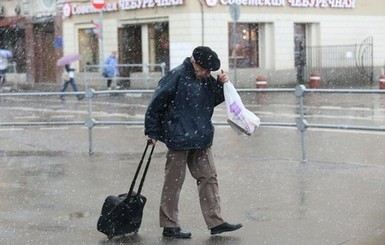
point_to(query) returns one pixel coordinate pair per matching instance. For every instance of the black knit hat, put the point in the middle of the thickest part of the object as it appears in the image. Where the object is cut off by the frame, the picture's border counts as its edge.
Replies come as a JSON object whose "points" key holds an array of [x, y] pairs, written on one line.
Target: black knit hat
{"points": [[206, 58]]}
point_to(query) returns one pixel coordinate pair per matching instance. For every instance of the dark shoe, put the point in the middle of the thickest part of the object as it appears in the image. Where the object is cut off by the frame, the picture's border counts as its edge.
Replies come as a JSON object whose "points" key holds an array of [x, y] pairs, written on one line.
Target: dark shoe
{"points": [[175, 232], [225, 227], [80, 97]]}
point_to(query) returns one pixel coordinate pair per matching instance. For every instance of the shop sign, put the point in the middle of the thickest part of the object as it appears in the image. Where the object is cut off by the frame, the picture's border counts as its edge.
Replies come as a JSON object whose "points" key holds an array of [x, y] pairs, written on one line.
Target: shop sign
{"points": [[292, 3], [80, 9], [142, 4], [67, 10], [322, 3], [211, 3], [273, 3], [58, 42], [76, 9]]}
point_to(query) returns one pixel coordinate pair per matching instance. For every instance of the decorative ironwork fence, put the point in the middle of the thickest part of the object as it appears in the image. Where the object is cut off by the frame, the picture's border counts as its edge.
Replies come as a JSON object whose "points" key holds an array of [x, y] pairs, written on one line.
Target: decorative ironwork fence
{"points": [[342, 65]]}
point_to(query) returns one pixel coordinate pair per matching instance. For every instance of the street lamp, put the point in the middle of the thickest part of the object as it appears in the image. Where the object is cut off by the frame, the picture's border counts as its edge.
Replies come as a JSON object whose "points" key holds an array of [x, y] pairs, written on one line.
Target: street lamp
{"points": [[203, 22]]}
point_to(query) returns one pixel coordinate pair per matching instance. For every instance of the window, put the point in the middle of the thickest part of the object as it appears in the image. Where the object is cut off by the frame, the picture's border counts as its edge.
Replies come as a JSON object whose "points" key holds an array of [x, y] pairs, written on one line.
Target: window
{"points": [[88, 47], [144, 43], [243, 45], [159, 44], [130, 48]]}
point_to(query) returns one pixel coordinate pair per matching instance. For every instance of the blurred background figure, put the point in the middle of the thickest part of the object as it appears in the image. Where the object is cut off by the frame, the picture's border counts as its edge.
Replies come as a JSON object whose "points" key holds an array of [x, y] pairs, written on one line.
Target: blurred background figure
{"points": [[4, 56], [238, 51], [239, 56], [164, 52], [300, 61], [110, 70], [69, 78]]}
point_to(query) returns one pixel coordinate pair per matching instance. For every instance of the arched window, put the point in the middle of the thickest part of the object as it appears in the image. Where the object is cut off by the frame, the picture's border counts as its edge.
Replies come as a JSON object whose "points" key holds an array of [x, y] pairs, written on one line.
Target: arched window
{"points": [[48, 3]]}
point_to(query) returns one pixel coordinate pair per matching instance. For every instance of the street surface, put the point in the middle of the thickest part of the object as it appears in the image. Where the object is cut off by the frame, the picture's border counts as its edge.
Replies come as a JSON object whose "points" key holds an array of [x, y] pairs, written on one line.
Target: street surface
{"points": [[52, 191]]}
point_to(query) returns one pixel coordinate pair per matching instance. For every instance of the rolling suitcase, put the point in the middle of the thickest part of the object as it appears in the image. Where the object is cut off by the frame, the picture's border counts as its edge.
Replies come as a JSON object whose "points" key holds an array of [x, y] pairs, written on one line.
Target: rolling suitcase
{"points": [[122, 214]]}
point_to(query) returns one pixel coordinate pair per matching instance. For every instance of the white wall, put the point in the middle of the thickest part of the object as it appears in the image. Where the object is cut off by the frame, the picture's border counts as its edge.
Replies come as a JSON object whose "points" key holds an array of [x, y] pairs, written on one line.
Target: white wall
{"points": [[328, 27]]}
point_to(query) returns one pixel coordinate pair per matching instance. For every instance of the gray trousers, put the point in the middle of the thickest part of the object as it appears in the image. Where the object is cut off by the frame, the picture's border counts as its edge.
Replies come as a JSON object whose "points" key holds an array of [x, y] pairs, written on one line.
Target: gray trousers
{"points": [[202, 168]]}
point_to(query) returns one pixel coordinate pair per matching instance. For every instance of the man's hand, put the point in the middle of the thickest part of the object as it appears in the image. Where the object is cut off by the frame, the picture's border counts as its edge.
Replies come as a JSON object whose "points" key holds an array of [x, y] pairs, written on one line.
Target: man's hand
{"points": [[222, 77], [152, 141]]}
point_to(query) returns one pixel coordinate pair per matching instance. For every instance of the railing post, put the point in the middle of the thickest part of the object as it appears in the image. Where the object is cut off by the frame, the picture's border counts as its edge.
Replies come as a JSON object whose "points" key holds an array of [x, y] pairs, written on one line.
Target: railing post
{"points": [[90, 122], [301, 121], [163, 68]]}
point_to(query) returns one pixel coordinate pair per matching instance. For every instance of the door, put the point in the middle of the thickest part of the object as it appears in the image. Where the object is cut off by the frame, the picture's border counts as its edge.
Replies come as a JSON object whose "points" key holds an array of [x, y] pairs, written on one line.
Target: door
{"points": [[130, 46]]}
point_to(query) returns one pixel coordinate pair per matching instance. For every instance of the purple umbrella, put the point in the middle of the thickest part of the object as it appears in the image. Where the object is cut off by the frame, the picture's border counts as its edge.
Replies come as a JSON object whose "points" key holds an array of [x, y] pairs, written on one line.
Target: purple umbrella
{"points": [[67, 59]]}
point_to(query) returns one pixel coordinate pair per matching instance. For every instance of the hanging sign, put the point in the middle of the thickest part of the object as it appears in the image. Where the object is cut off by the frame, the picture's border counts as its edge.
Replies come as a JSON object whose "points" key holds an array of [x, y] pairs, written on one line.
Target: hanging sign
{"points": [[98, 4], [235, 12]]}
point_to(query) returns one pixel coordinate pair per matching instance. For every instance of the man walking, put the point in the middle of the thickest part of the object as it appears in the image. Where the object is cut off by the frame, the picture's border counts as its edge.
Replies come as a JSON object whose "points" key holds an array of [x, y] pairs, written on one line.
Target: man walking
{"points": [[179, 115]]}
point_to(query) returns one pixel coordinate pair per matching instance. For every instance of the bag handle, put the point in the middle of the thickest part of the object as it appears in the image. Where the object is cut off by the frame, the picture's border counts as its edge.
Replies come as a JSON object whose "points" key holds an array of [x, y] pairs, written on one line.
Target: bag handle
{"points": [[139, 167], [146, 169]]}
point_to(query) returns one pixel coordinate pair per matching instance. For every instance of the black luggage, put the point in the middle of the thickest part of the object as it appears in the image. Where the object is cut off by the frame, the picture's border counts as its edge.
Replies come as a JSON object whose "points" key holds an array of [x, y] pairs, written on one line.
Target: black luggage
{"points": [[122, 214]]}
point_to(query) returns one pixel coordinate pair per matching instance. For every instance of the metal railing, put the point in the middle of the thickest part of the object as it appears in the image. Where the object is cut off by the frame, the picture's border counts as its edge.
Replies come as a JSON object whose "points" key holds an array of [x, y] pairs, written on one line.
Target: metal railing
{"points": [[143, 72], [301, 123], [342, 64]]}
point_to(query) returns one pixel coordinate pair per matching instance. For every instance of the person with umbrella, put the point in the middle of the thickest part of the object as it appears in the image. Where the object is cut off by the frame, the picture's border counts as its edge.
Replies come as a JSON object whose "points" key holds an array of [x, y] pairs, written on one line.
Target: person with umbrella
{"points": [[69, 78], [69, 73], [4, 56]]}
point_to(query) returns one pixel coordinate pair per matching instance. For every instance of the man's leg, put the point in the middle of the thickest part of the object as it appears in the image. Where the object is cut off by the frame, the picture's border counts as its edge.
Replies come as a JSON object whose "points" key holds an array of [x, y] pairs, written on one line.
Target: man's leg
{"points": [[174, 177], [64, 88], [116, 83], [175, 172], [73, 84], [202, 168], [2, 77], [75, 88]]}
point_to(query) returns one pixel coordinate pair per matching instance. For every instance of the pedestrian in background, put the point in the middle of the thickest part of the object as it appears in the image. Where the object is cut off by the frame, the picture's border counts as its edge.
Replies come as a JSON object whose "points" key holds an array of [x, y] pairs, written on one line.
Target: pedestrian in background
{"points": [[300, 62], [69, 78], [110, 70], [179, 115], [5, 54]]}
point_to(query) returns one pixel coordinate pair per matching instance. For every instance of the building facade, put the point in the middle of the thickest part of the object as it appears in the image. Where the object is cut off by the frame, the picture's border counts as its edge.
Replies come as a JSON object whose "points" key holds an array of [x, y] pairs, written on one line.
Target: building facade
{"points": [[284, 40], [31, 29]]}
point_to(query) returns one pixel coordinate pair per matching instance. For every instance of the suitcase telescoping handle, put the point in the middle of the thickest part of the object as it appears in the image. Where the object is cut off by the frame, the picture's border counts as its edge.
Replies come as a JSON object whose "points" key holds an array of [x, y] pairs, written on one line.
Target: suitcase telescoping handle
{"points": [[139, 167]]}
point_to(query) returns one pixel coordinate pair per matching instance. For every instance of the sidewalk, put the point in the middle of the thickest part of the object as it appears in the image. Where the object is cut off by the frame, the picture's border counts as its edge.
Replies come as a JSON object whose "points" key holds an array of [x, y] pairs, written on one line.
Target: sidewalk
{"points": [[52, 192]]}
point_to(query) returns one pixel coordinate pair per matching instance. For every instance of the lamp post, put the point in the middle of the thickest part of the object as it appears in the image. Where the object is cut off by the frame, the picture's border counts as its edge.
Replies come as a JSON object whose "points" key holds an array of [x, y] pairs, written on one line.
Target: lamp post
{"points": [[202, 22], [99, 4], [234, 13]]}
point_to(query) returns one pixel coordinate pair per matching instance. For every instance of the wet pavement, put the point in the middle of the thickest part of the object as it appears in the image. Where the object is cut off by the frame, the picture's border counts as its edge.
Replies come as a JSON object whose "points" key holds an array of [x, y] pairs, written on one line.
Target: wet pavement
{"points": [[52, 191]]}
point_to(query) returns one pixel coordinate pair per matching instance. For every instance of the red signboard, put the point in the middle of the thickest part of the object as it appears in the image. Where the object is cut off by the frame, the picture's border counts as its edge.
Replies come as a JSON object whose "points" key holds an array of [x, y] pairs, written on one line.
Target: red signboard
{"points": [[98, 4]]}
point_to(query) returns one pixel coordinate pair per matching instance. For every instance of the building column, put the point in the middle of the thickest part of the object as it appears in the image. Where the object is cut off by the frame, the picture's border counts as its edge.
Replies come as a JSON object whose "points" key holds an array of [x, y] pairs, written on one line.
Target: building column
{"points": [[30, 53], [58, 25]]}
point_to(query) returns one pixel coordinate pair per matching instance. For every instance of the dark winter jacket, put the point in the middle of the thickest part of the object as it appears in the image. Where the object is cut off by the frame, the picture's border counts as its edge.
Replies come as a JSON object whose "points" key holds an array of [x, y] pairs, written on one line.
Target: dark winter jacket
{"points": [[180, 111]]}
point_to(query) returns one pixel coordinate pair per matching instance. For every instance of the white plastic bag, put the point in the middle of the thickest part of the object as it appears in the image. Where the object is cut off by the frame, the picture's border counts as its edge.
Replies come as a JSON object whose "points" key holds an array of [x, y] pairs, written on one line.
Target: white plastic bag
{"points": [[239, 118]]}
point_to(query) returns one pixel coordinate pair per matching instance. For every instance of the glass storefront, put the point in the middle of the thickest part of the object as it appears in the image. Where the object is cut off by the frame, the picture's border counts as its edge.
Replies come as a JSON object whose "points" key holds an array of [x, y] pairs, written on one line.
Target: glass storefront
{"points": [[159, 44], [88, 47], [243, 45]]}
